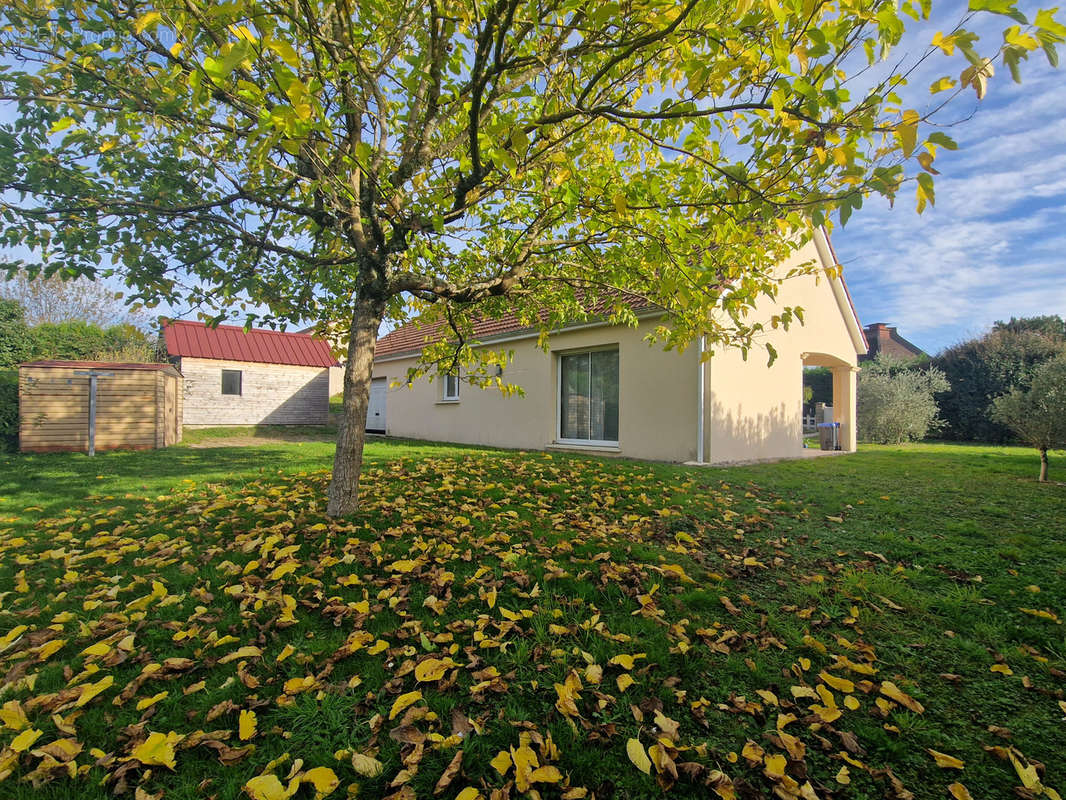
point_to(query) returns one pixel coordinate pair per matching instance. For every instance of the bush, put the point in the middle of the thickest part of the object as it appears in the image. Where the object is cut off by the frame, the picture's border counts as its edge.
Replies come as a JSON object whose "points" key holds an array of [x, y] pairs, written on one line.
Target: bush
{"points": [[895, 401], [982, 369], [16, 341], [9, 409]]}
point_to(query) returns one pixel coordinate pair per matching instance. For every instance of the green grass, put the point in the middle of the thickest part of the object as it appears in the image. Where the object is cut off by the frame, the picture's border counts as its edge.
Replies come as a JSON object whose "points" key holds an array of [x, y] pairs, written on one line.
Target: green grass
{"points": [[915, 562]]}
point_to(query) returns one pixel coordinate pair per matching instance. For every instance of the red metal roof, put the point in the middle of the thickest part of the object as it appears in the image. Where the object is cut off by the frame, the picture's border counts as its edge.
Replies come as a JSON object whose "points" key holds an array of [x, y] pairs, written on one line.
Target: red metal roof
{"points": [[231, 343], [101, 365]]}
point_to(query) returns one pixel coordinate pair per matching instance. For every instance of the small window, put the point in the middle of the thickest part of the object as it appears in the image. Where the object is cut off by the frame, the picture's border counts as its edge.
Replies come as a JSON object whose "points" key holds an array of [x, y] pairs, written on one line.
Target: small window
{"points": [[231, 381], [451, 387]]}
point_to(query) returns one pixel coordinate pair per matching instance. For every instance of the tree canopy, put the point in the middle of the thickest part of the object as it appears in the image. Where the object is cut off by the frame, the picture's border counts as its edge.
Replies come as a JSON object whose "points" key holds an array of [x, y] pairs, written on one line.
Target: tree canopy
{"points": [[1038, 414], [349, 162]]}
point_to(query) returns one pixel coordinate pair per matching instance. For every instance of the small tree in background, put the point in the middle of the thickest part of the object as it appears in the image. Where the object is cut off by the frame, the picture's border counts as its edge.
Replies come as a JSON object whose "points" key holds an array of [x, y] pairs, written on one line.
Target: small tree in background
{"points": [[15, 339], [1038, 415], [895, 401], [54, 300]]}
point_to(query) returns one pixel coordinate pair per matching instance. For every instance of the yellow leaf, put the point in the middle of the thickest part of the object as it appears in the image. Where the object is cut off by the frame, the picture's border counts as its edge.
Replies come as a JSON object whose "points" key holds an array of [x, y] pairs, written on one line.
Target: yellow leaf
{"points": [[145, 21], [546, 774], [48, 649], [402, 702], [840, 684], [1026, 771], [433, 669], [366, 766], [945, 761], [147, 702], [298, 685], [12, 716], [323, 779], [502, 762], [624, 681], [268, 787], [843, 777], [24, 741], [157, 750], [1003, 669], [403, 565], [98, 649], [959, 792], [246, 725], [775, 765], [851, 702], [286, 651], [593, 673], [91, 690], [469, 793], [893, 692], [249, 651], [640, 759]]}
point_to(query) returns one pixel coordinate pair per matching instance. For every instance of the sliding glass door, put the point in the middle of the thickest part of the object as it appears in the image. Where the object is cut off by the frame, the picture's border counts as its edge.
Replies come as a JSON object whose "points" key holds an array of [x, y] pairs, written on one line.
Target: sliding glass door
{"points": [[588, 390]]}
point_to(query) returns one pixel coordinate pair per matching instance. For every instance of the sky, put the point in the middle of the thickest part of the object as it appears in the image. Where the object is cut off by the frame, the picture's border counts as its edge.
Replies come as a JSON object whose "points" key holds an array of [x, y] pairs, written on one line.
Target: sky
{"points": [[994, 245]]}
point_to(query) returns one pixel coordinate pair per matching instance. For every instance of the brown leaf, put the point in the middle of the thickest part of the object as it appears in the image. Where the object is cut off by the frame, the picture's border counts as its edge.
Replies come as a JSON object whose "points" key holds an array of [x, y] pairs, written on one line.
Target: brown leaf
{"points": [[449, 773]]}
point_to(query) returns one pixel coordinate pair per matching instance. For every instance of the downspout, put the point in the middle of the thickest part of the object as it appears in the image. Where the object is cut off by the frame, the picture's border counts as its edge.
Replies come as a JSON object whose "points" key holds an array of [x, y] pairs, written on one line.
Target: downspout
{"points": [[699, 406]]}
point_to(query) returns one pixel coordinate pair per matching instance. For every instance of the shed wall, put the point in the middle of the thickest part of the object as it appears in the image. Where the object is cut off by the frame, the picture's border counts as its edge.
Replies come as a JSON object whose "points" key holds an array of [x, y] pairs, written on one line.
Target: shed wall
{"points": [[271, 394], [54, 409]]}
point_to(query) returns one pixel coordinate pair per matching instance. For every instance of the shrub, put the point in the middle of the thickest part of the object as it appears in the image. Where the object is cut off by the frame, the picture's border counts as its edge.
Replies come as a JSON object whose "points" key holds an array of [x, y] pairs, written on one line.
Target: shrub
{"points": [[1038, 415], [16, 342], [9, 409], [981, 369], [896, 402]]}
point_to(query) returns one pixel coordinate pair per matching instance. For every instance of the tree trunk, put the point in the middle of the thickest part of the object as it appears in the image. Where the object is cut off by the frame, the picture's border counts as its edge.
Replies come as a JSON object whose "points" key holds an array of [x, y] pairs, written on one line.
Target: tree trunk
{"points": [[348, 460], [1043, 465]]}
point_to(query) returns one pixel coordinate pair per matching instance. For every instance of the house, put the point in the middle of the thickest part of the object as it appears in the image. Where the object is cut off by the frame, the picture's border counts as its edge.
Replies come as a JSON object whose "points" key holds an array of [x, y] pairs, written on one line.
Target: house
{"points": [[885, 339], [255, 377], [603, 389]]}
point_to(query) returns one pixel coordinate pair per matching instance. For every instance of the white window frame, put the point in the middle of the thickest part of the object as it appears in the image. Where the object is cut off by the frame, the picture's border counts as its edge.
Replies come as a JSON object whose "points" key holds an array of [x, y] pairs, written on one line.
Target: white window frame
{"points": [[444, 396], [604, 443]]}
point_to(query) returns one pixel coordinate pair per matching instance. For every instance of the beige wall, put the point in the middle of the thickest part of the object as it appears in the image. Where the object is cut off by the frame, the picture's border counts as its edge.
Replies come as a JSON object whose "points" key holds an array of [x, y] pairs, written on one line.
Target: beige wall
{"points": [[751, 411], [657, 398], [754, 410], [271, 394]]}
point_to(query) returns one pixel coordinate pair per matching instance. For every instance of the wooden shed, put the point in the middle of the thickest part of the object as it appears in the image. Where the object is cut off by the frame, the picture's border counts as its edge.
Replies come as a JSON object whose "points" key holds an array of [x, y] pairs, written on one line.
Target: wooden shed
{"points": [[138, 406]]}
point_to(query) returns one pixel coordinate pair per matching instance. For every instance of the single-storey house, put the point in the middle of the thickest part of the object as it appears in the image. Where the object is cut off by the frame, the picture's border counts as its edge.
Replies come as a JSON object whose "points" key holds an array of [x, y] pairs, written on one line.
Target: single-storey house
{"points": [[604, 389], [255, 377]]}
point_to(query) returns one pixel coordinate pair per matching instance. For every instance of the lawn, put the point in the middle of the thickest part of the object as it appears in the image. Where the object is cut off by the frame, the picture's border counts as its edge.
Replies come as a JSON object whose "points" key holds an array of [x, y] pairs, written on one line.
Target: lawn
{"points": [[187, 623]]}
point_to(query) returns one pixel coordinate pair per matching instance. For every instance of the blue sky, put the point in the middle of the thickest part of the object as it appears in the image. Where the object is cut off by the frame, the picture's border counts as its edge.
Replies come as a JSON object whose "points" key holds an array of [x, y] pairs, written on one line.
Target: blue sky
{"points": [[994, 246]]}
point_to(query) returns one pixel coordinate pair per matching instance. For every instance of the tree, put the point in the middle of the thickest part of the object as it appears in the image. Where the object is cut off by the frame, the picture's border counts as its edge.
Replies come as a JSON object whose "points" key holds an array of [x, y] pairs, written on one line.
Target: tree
{"points": [[1049, 325], [1038, 415], [54, 299], [895, 400], [980, 369], [355, 162]]}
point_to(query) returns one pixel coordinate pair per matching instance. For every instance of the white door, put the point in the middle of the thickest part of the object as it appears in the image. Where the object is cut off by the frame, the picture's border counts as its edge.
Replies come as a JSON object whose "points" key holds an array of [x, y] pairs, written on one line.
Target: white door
{"points": [[375, 410]]}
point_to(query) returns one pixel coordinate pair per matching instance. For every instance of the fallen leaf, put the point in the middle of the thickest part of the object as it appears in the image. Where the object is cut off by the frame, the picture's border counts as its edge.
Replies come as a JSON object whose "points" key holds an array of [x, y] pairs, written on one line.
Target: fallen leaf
{"points": [[638, 756], [945, 761]]}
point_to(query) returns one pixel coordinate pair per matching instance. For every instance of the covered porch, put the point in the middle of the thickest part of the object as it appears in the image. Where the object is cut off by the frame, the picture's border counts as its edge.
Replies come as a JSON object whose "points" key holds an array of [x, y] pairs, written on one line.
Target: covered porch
{"points": [[843, 399]]}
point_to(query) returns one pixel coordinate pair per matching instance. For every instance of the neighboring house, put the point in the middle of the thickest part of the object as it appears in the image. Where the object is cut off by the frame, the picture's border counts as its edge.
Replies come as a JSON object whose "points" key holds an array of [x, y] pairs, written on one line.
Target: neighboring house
{"points": [[884, 339], [258, 377], [603, 389]]}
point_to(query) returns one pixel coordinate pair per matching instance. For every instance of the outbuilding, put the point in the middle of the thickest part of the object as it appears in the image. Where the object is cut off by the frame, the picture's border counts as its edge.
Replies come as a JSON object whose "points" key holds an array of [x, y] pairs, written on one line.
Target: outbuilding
{"points": [[254, 377], [136, 406]]}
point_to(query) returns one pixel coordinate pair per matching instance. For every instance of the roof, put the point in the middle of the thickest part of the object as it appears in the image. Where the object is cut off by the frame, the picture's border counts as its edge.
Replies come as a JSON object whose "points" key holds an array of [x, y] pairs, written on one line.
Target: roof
{"points": [[232, 343], [100, 365], [415, 335]]}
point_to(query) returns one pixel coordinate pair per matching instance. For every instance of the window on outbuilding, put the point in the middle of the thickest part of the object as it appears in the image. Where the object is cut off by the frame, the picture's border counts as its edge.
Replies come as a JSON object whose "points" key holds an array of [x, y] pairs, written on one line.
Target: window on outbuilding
{"points": [[231, 381], [588, 397]]}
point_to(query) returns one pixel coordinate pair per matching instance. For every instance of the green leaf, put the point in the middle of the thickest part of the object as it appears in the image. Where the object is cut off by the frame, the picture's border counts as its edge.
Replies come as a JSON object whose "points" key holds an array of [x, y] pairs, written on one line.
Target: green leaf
{"points": [[145, 21]]}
